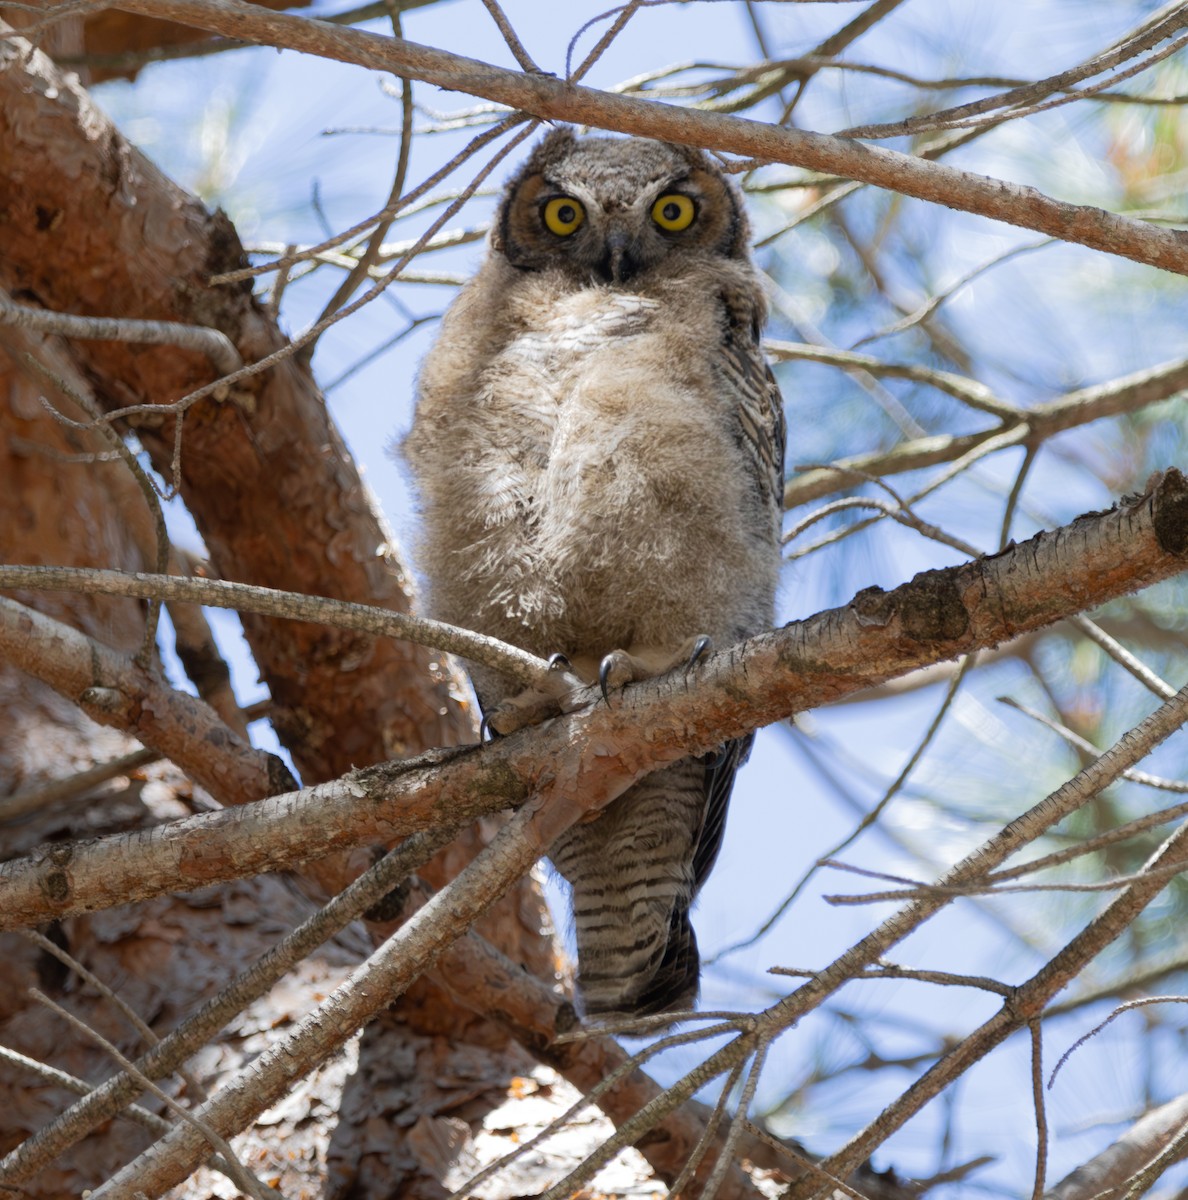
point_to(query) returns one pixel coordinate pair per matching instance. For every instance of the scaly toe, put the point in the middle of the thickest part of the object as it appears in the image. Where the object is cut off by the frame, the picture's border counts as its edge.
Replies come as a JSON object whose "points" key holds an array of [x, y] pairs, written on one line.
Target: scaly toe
{"points": [[617, 669]]}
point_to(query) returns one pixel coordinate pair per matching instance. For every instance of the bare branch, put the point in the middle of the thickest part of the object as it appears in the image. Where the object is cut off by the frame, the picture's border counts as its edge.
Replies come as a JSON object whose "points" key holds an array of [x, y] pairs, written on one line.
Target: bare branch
{"points": [[110, 1098], [370, 988], [114, 690], [940, 614], [1028, 999], [553, 99], [217, 346], [968, 391], [241, 1177], [154, 1124], [1150, 34], [73, 787], [218, 593], [1127, 394], [1106, 1173]]}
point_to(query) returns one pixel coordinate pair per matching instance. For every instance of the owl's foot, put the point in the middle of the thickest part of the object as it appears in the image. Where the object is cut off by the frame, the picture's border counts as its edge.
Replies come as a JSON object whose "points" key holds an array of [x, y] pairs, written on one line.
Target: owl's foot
{"points": [[619, 667], [535, 704], [550, 696]]}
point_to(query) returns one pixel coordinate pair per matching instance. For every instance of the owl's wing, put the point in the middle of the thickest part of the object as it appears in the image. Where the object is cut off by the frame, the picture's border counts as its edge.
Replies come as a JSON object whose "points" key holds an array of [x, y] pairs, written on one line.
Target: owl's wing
{"points": [[758, 406], [719, 782], [762, 432]]}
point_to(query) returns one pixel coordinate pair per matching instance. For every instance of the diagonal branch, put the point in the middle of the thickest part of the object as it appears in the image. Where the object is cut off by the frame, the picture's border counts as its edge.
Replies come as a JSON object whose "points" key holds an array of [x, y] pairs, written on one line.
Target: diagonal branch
{"points": [[1027, 1001], [112, 689], [877, 636], [554, 99], [1110, 399]]}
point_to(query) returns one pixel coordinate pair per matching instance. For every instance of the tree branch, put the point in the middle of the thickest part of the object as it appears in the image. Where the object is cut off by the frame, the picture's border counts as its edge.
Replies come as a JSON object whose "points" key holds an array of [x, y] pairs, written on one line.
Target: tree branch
{"points": [[555, 99], [244, 597], [1085, 405], [1107, 1172], [1025, 1003], [878, 635], [112, 689]]}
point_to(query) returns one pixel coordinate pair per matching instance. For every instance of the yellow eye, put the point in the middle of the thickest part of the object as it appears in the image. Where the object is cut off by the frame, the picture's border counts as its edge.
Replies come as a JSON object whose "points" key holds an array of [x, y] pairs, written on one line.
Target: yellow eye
{"points": [[563, 215], [673, 212]]}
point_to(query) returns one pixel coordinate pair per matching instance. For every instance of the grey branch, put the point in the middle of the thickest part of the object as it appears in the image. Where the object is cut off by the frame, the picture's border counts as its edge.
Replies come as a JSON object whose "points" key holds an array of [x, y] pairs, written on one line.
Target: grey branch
{"points": [[1106, 1173], [217, 346], [554, 99]]}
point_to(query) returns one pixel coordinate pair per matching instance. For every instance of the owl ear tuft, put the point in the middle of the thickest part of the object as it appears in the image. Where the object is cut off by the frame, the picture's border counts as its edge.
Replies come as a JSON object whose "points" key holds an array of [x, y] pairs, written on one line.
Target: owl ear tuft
{"points": [[555, 144]]}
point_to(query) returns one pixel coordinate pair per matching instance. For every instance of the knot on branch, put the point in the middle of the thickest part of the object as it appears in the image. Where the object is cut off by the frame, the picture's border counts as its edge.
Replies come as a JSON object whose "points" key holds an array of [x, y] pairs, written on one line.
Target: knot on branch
{"points": [[53, 875], [929, 608], [1169, 507]]}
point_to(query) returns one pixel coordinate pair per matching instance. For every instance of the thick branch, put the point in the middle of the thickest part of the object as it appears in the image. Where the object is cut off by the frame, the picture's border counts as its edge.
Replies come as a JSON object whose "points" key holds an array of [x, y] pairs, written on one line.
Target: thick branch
{"points": [[1106, 1173], [112, 690], [260, 474], [555, 99], [877, 636]]}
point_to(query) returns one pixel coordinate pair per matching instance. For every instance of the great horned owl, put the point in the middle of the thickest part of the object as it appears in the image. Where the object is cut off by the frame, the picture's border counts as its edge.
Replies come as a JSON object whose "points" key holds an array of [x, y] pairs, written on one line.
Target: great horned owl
{"points": [[598, 446]]}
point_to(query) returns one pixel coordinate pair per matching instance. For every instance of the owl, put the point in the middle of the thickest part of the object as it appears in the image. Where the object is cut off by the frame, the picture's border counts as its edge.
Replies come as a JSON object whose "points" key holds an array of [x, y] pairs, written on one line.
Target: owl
{"points": [[598, 449]]}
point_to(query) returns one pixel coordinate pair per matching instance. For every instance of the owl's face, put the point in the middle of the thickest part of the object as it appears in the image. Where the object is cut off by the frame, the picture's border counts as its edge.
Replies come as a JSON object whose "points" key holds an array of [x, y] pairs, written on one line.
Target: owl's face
{"points": [[608, 210]]}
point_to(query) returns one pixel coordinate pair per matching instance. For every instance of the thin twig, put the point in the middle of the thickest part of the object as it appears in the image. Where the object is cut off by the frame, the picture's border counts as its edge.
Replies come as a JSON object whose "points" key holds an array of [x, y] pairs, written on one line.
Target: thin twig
{"points": [[220, 593], [726, 1154], [141, 1116], [1139, 669], [1147, 36], [144, 482], [217, 346], [510, 36], [130, 1014], [1144, 1002], [72, 787], [1041, 1115], [373, 249]]}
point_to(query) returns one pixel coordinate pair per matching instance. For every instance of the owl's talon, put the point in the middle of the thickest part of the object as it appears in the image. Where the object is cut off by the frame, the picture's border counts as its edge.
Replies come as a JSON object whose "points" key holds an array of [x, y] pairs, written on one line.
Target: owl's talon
{"points": [[619, 668], [487, 732], [558, 662], [701, 647], [604, 670]]}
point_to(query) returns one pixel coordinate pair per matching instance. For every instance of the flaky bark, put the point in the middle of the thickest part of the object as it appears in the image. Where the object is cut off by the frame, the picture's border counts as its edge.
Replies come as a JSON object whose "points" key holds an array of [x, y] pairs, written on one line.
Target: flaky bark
{"points": [[164, 955]]}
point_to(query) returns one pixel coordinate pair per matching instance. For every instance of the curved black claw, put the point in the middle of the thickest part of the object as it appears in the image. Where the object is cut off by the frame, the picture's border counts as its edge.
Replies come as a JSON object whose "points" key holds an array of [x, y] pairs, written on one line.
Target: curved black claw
{"points": [[558, 662], [604, 669], [701, 648], [487, 732]]}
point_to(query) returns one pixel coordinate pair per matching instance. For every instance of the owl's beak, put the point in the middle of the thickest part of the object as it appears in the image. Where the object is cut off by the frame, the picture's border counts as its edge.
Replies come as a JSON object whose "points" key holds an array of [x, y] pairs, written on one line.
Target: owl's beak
{"points": [[621, 260]]}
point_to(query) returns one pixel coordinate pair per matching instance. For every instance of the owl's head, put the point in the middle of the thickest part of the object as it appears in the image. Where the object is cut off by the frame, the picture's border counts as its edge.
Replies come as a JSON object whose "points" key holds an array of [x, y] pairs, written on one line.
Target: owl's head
{"points": [[610, 209]]}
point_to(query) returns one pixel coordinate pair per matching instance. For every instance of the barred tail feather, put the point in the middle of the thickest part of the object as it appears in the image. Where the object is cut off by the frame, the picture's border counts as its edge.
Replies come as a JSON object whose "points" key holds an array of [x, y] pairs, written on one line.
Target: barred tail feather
{"points": [[634, 873]]}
